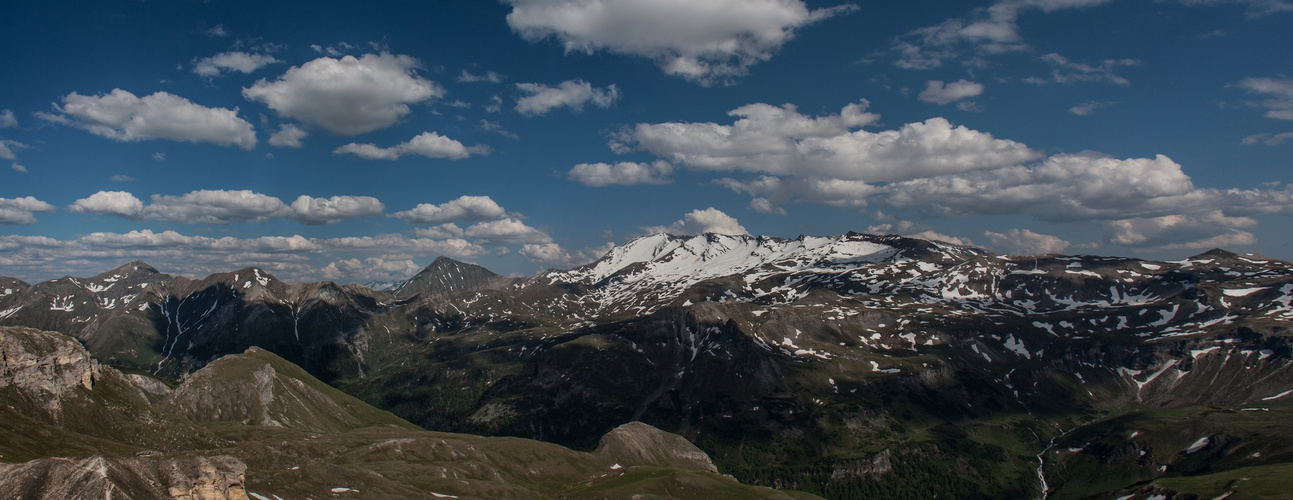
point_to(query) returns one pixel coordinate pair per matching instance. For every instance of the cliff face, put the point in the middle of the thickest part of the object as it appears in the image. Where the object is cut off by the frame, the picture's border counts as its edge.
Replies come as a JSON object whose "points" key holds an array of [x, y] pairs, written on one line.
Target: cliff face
{"points": [[44, 368], [138, 478]]}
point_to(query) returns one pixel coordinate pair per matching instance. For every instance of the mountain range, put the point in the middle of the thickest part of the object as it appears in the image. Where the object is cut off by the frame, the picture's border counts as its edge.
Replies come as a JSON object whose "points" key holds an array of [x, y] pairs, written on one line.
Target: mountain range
{"points": [[855, 366]]}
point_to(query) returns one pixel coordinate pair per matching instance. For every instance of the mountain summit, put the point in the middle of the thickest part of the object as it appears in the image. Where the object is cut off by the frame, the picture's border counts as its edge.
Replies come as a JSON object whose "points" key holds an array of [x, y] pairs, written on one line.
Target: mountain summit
{"points": [[447, 276]]}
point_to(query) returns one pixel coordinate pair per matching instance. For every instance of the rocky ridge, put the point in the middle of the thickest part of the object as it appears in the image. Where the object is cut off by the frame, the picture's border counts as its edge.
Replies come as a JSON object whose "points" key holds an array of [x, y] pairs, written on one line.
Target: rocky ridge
{"points": [[846, 352]]}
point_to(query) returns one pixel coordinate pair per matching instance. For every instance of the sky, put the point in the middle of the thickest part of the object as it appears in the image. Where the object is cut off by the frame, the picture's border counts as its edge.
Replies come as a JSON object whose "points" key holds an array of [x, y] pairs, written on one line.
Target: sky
{"points": [[358, 142]]}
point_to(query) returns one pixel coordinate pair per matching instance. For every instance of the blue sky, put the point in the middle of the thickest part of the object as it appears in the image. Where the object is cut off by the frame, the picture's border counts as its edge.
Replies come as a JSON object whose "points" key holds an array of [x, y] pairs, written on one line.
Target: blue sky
{"points": [[321, 140]]}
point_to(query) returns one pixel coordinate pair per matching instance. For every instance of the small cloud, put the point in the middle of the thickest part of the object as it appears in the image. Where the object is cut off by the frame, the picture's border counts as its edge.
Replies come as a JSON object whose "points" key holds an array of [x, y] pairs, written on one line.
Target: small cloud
{"points": [[1268, 139], [1065, 71], [223, 63], [428, 144], [494, 127], [1089, 107], [489, 76], [1212, 34], [7, 149], [1026, 242], [625, 173], [941, 93], [765, 206], [18, 168], [573, 94], [288, 136], [495, 105], [159, 156], [7, 120], [709, 220], [121, 178], [218, 31], [1279, 93]]}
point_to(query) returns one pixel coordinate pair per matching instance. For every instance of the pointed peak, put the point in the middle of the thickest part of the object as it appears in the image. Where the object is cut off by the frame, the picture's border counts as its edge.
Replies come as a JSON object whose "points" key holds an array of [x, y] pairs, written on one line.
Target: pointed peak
{"points": [[446, 275]]}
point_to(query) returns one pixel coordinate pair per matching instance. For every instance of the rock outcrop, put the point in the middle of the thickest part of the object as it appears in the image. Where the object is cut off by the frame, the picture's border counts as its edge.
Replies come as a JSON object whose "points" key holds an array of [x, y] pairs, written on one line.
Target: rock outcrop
{"points": [[138, 478], [636, 443], [44, 367]]}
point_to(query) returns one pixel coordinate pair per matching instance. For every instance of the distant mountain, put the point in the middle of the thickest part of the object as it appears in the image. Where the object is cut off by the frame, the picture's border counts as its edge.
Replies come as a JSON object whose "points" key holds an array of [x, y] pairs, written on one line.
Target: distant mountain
{"points": [[853, 366], [447, 276]]}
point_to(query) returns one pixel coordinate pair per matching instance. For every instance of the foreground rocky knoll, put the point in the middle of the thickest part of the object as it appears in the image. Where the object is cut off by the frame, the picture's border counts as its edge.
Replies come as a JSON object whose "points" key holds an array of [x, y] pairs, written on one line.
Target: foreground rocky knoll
{"points": [[849, 366], [253, 425]]}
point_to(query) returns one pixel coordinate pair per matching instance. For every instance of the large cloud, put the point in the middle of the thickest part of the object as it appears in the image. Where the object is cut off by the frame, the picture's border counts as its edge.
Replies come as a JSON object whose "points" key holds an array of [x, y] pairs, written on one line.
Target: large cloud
{"points": [[216, 207], [709, 220], [573, 94], [707, 42], [118, 203], [428, 144], [347, 96], [781, 141], [120, 115], [464, 208], [21, 210], [309, 210]]}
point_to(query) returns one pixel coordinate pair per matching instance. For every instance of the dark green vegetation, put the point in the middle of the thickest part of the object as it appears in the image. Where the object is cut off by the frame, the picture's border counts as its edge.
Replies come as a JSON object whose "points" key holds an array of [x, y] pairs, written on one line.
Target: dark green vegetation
{"points": [[255, 423], [850, 367]]}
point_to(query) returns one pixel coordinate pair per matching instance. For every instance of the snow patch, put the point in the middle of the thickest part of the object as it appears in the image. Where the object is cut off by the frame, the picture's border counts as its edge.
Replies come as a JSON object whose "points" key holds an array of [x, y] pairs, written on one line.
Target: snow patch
{"points": [[1202, 443]]}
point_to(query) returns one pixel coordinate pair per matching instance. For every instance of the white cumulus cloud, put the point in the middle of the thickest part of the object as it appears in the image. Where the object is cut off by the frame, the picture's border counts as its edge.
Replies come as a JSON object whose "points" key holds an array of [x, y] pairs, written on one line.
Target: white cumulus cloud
{"points": [[118, 203], [288, 136], [573, 94], [709, 220], [463, 209], [507, 231], [781, 141], [216, 207], [707, 42], [428, 144], [22, 210], [1025, 242], [309, 210], [7, 119], [121, 116], [225, 62], [625, 173], [347, 96]]}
